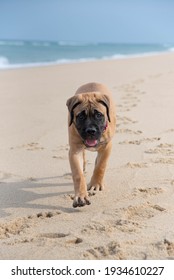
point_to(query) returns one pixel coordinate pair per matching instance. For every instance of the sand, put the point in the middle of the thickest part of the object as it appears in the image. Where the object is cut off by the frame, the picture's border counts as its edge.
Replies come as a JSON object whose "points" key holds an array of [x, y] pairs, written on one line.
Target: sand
{"points": [[134, 217]]}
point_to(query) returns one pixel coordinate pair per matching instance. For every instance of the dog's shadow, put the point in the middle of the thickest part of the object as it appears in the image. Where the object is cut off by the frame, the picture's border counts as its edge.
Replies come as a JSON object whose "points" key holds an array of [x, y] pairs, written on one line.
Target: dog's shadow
{"points": [[24, 194]]}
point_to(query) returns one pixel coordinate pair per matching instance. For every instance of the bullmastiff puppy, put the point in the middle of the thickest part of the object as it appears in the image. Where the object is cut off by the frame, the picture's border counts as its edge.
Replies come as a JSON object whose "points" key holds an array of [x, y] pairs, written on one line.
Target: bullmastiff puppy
{"points": [[92, 123]]}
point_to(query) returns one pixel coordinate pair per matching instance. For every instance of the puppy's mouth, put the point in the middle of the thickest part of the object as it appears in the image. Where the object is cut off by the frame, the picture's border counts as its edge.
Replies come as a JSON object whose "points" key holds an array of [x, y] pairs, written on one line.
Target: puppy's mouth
{"points": [[91, 142]]}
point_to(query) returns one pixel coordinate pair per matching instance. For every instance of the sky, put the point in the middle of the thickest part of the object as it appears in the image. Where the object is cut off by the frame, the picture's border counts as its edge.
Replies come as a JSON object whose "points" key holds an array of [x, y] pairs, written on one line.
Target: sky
{"points": [[120, 21]]}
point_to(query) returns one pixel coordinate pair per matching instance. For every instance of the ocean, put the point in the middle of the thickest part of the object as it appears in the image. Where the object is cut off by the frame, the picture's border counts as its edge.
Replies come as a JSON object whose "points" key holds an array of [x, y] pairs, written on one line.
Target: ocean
{"points": [[18, 54]]}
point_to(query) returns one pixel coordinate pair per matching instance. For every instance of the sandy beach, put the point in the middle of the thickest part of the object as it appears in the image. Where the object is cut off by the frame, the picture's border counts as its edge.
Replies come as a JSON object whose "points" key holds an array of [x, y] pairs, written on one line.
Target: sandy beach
{"points": [[134, 217]]}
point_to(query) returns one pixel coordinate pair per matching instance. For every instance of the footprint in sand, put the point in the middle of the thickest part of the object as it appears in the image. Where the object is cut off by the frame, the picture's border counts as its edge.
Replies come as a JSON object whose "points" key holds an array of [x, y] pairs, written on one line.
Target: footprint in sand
{"points": [[133, 142], [165, 151], [44, 215], [129, 131], [61, 152], [60, 157], [137, 165], [125, 225], [33, 146], [21, 225], [130, 98], [143, 211], [166, 246], [13, 228], [124, 121], [145, 192], [162, 149], [164, 160], [61, 148], [110, 251], [97, 227], [140, 141], [169, 247]]}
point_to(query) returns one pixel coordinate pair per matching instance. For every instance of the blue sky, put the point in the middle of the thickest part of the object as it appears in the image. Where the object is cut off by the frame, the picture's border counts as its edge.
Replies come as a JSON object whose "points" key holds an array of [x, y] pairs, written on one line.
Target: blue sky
{"points": [[143, 21]]}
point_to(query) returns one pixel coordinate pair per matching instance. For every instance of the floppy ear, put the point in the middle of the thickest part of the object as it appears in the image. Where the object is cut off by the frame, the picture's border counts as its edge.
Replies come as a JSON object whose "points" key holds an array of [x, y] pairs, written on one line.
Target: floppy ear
{"points": [[72, 103], [104, 100]]}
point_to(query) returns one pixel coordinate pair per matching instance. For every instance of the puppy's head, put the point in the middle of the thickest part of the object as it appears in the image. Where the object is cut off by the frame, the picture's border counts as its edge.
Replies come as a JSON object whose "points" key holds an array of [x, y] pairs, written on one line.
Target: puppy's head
{"points": [[90, 114]]}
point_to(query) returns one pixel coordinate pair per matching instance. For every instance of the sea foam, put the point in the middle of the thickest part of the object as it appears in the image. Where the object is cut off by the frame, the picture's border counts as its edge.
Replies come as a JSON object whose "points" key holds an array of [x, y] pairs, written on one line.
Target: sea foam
{"points": [[20, 54], [4, 63]]}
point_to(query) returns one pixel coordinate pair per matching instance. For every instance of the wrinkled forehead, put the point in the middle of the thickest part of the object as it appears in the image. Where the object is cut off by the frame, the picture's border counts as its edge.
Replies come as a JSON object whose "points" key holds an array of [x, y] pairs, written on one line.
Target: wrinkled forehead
{"points": [[89, 105]]}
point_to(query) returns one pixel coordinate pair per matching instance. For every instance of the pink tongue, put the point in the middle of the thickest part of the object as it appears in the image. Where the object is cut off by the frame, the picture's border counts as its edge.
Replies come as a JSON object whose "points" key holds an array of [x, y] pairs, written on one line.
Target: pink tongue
{"points": [[91, 142]]}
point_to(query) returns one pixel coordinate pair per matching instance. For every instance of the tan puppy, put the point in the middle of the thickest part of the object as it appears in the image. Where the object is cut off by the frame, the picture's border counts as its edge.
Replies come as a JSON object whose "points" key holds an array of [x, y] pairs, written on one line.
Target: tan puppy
{"points": [[92, 124]]}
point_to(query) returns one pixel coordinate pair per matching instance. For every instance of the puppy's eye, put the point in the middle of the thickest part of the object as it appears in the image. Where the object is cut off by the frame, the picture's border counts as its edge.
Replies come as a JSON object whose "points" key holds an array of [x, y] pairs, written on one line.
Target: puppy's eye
{"points": [[98, 115], [81, 116]]}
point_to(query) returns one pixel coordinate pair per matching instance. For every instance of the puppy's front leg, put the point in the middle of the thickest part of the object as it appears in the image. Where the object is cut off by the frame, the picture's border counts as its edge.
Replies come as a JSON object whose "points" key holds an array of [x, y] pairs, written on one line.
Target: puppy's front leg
{"points": [[81, 195], [96, 182]]}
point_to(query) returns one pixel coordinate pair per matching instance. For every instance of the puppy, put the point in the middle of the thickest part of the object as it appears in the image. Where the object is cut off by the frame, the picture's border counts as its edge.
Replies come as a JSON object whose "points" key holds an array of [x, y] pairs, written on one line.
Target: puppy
{"points": [[92, 123]]}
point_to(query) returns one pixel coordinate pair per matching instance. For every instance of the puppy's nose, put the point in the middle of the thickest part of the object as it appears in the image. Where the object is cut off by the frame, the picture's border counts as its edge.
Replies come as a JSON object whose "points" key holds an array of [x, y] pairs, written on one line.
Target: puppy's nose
{"points": [[91, 130]]}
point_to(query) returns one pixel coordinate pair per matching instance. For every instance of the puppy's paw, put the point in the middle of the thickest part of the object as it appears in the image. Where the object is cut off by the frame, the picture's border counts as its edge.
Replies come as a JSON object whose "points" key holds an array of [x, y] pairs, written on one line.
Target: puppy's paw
{"points": [[80, 201], [95, 186]]}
